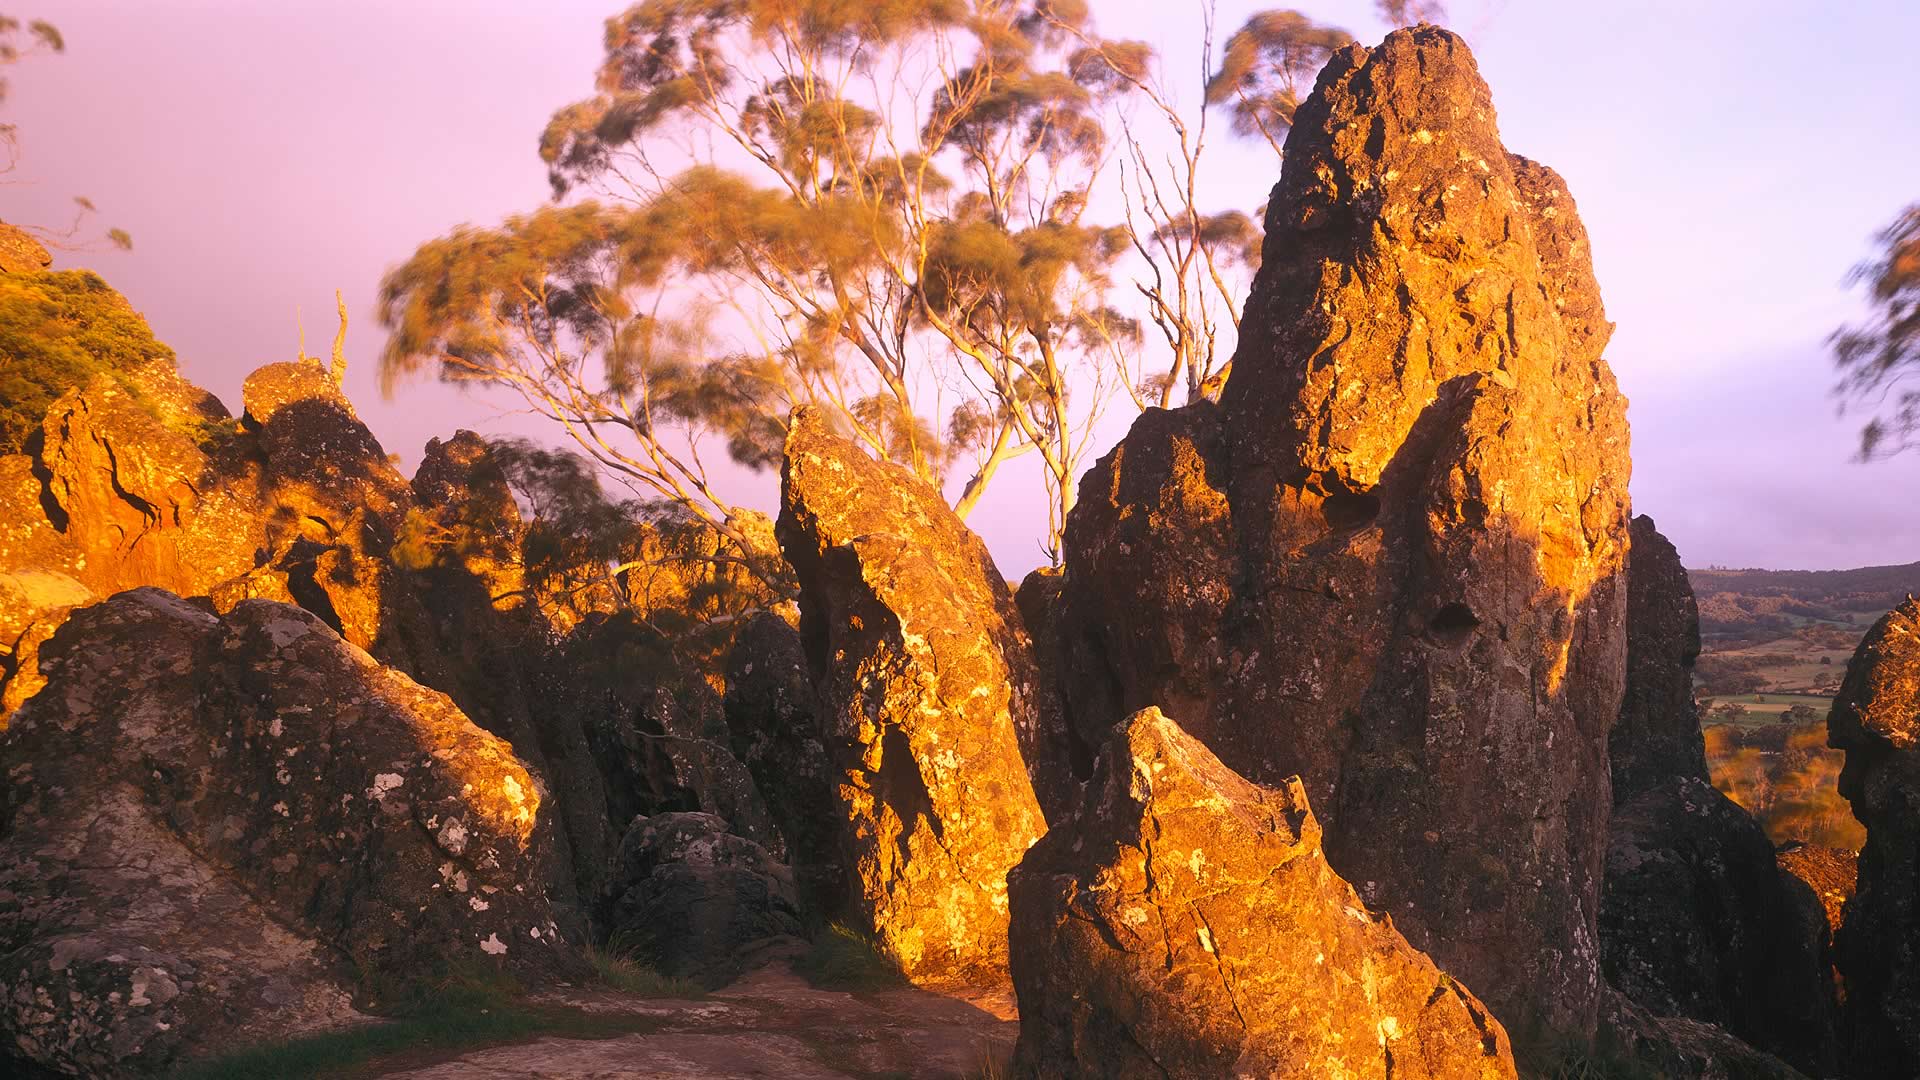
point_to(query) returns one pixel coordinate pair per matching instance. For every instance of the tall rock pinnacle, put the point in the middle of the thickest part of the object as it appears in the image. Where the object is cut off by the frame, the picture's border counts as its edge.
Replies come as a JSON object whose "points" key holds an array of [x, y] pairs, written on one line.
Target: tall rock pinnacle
{"points": [[1391, 558]]}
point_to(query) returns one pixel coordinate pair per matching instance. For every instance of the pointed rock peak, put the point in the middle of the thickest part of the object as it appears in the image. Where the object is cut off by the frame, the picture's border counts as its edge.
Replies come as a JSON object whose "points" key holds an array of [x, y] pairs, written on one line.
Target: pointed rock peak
{"points": [[1405, 247]]}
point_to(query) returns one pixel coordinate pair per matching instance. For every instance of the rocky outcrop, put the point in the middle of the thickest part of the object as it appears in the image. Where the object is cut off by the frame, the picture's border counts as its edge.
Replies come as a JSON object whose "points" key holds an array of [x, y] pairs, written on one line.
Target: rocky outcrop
{"points": [[1186, 923], [1390, 559], [1634, 1042], [774, 722], [142, 479], [20, 253], [928, 694], [655, 729], [217, 824], [1697, 920], [1876, 720], [690, 899]]}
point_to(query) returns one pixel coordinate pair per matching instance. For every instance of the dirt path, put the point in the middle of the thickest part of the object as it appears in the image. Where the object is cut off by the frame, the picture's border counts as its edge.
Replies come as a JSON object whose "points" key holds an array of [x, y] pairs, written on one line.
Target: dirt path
{"points": [[769, 1024]]}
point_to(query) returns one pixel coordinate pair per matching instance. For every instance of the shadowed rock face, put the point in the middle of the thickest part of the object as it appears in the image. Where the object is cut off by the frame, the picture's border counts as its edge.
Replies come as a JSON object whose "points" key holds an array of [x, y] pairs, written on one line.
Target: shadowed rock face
{"points": [[1658, 734], [1697, 920], [1390, 560], [690, 899], [1186, 923], [773, 724], [1876, 720], [212, 823], [928, 693]]}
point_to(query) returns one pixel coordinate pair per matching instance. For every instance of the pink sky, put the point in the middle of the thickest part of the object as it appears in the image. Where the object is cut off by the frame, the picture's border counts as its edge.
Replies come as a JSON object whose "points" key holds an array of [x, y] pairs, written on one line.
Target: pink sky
{"points": [[1730, 158]]}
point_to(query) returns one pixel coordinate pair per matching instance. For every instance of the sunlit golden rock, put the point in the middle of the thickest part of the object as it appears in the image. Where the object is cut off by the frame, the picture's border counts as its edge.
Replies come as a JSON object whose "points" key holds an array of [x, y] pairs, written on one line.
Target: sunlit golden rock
{"points": [[928, 691], [1390, 559], [1186, 923]]}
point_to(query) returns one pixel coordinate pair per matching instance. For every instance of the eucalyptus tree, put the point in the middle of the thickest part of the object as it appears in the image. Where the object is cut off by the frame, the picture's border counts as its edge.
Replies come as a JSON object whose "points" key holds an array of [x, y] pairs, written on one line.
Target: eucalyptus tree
{"points": [[872, 207], [919, 215]]}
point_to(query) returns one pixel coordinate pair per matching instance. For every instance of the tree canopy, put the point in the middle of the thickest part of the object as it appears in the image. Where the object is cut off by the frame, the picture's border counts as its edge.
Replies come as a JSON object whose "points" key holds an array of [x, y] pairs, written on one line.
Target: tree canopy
{"points": [[945, 222]]}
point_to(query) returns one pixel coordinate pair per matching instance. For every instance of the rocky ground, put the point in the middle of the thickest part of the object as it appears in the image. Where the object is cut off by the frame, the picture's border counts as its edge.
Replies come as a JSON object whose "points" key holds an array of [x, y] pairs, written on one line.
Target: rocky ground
{"points": [[770, 1023]]}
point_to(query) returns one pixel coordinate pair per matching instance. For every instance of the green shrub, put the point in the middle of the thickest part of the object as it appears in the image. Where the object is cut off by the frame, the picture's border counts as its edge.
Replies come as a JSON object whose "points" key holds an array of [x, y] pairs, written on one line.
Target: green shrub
{"points": [[58, 329]]}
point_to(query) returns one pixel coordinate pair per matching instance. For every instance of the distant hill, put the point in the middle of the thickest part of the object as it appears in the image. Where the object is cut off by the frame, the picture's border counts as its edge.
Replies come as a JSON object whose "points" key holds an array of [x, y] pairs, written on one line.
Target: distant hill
{"points": [[1824, 586], [1789, 630]]}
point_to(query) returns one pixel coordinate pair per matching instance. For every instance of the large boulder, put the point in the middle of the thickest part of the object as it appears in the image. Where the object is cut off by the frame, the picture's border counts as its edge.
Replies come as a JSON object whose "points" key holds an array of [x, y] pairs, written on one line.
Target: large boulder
{"points": [[690, 899], [928, 693], [1697, 920], [216, 825], [1876, 720], [1186, 923], [1390, 559]]}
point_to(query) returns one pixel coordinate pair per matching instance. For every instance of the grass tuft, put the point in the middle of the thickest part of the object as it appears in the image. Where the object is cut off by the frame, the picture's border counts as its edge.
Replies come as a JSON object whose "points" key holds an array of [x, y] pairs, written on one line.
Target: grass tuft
{"points": [[841, 958], [630, 976]]}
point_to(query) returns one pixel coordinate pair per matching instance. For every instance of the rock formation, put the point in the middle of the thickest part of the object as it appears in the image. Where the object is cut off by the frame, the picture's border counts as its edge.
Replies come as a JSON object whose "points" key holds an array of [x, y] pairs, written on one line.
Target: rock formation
{"points": [[216, 825], [142, 479], [690, 898], [1186, 923], [1876, 720], [773, 719], [1696, 919], [1390, 559], [929, 694], [20, 253]]}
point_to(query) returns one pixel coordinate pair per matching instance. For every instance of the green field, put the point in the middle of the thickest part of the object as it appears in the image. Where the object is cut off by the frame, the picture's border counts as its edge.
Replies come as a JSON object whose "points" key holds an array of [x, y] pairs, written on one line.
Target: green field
{"points": [[1766, 708]]}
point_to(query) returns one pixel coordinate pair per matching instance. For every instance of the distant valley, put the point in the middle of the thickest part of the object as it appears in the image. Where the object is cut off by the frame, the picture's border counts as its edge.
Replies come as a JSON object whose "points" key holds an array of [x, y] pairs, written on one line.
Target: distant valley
{"points": [[1774, 648]]}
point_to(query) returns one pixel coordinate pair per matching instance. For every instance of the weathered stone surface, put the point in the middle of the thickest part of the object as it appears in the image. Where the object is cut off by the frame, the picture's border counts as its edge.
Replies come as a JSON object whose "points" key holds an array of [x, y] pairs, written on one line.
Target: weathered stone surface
{"points": [[1697, 920], [1390, 560], [773, 718], [929, 694], [691, 900], [1186, 923], [220, 819], [1634, 1042], [20, 253], [1876, 720]]}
